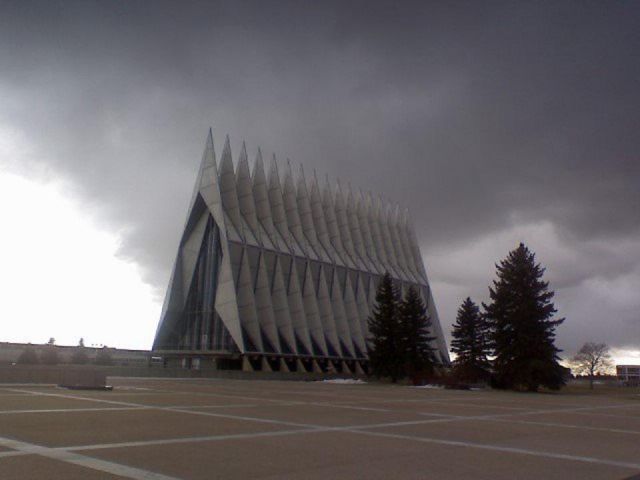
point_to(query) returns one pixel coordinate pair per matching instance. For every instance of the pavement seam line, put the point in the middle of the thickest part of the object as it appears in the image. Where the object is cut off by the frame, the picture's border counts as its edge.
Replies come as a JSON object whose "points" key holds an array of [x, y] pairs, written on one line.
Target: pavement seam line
{"points": [[178, 440], [444, 419], [498, 448], [363, 429], [83, 461], [565, 425], [180, 410], [71, 410]]}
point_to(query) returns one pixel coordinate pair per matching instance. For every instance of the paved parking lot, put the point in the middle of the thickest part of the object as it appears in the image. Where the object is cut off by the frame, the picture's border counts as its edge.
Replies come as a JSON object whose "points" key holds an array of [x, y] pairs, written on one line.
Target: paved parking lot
{"points": [[206, 429]]}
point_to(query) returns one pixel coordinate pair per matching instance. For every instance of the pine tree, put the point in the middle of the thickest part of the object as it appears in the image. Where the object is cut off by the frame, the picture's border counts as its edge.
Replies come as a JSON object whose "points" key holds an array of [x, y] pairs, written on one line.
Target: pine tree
{"points": [[50, 355], [386, 355], [28, 357], [523, 329], [103, 357], [470, 343], [415, 323]]}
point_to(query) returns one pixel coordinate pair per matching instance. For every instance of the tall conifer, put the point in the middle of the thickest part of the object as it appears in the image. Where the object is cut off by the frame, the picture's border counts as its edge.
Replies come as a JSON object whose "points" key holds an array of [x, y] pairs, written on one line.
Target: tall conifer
{"points": [[386, 352], [523, 329], [470, 343], [416, 324]]}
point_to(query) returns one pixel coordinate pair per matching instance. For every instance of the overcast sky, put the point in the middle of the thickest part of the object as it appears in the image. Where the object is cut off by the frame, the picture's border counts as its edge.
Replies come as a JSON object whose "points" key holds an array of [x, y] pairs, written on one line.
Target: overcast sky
{"points": [[495, 122]]}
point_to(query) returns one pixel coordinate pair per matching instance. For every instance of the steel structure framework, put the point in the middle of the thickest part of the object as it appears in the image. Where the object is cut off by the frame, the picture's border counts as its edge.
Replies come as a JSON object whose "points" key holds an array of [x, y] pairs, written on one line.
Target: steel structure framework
{"points": [[282, 274]]}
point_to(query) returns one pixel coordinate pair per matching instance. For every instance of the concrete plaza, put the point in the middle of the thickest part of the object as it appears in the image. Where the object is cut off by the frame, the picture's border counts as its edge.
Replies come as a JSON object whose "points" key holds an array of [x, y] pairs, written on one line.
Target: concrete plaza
{"points": [[205, 429]]}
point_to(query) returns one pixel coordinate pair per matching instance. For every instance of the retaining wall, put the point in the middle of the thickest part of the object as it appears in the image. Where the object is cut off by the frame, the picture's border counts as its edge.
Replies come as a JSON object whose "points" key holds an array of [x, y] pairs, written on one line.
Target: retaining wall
{"points": [[93, 374], [71, 375]]}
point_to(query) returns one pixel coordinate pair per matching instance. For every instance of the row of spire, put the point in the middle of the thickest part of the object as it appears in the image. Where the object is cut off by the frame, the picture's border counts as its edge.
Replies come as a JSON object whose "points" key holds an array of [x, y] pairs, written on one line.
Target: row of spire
{"points": [[322, 228], [355, 230]]}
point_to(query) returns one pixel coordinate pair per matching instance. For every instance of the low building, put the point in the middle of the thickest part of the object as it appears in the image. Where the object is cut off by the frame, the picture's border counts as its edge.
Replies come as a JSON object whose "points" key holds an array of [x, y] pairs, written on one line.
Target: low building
{"points": [[10, 353], [628, 374]]}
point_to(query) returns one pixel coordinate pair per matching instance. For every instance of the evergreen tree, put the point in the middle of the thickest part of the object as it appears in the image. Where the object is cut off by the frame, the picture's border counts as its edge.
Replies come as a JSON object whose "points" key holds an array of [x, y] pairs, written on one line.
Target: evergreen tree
{"points": [[28, 357], [50, 355], [386, 353], [470, 343], [103, 357], [80, 356], [523, 329], [415, 323]]}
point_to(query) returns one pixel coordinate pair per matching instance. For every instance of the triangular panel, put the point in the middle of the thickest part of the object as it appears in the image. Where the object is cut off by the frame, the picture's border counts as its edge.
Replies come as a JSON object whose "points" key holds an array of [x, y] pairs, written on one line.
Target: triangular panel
{"points": [[281, 307], [261, 201], [342, 325], [353, 317], [343, 228], [246, 300], [245, 195], [306, 219], [228, 190], [312, 311], [326, 313], [296, 305], [264, 306], [363, 306]]}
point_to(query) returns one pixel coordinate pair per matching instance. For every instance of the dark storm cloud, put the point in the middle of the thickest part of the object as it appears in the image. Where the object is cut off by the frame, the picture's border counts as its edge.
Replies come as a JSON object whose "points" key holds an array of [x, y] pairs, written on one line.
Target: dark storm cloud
{"points": [[473, 114]]}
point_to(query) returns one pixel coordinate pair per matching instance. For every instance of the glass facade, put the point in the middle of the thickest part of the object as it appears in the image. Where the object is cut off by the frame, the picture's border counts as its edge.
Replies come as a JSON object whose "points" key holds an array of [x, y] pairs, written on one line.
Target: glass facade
{"points": [[200, 327]]}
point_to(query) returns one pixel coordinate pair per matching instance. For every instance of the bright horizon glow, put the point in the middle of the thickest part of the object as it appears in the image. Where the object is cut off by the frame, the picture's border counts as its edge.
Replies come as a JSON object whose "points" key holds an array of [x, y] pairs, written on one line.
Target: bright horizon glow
{"points": [[625, 357], [61, 275]]}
